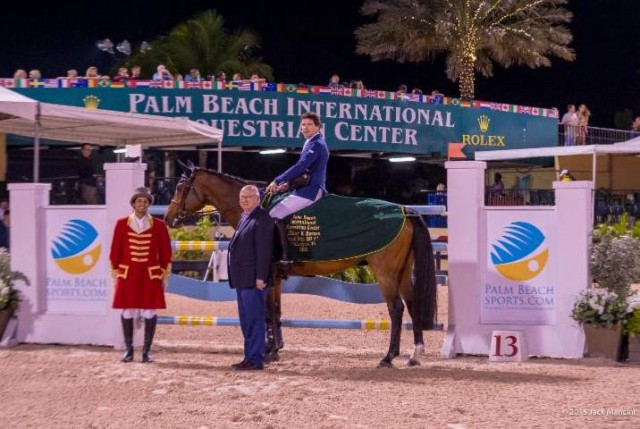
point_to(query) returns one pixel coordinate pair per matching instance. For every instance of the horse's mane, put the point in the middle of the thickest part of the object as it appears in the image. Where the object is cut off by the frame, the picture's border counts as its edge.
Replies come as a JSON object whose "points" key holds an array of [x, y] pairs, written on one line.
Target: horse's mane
{"points": [[226, 176]]}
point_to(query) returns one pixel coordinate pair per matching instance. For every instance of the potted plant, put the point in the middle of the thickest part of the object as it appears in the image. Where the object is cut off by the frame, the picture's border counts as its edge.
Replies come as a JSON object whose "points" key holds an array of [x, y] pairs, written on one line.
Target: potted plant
{"points": [[615, 265], [632, 328], [9, 295]]}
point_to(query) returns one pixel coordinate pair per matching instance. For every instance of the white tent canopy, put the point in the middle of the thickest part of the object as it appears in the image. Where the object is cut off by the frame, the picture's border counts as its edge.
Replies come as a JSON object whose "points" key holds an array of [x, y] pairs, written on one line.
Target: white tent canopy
{"points": [[628, 147], [28, 117]]}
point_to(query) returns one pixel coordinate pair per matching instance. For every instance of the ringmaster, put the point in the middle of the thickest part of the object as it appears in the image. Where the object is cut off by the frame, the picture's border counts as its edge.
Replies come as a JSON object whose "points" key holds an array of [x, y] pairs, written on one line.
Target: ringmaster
{"points": [[140, 264]]}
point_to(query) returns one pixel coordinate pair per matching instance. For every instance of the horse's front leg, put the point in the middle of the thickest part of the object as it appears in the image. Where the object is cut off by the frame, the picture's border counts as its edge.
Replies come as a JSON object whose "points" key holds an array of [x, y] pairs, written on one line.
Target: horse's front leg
{"points": [[396, 308], [274, 340]]}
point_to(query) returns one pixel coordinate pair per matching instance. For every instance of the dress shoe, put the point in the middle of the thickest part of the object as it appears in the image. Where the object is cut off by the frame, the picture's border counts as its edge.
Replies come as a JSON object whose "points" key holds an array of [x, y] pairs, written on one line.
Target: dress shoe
{"points": [[239, 364], [249, 366]]}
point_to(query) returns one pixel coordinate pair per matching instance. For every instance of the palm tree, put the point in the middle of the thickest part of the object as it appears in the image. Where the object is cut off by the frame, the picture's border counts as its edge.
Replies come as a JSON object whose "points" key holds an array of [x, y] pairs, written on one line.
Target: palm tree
{"points": [[202, 42], [473, 33]]}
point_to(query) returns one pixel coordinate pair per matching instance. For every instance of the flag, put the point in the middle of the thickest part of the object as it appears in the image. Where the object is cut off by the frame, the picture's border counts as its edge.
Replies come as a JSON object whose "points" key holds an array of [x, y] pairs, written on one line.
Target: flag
{"points": [[465, 103], [207, 84], [140, 83], [9, 83], [245, 86], [104, 83], [454, 150], [155, 84], [22, 83], [64, 83], [282, 87], [219, 85], [50, 83], [181, 84], [80, 83], [36, 83], [535, 111], [167, 84], [117, 84], [92, 83], [270, 87], [302, 90], [291, 88]]}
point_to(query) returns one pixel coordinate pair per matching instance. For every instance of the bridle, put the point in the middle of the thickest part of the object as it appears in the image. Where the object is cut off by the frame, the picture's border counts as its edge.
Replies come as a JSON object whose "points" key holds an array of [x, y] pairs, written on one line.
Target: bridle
{"points": [[188, 187]]}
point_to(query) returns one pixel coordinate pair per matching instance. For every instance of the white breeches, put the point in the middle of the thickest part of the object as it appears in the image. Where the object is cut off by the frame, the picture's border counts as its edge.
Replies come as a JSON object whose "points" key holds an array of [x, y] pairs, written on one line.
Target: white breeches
{"points": [[292, 204], [131, 313]]}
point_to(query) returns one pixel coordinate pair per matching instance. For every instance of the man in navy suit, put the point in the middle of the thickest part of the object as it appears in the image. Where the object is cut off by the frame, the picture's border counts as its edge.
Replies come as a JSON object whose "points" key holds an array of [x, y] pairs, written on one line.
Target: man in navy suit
{"points": [[314, 158], [249, 263]]}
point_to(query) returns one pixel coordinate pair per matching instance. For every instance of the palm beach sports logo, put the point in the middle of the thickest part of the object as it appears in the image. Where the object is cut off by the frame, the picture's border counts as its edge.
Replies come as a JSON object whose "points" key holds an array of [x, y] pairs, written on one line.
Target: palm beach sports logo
{"points": [[76, 249], [519, 253]]}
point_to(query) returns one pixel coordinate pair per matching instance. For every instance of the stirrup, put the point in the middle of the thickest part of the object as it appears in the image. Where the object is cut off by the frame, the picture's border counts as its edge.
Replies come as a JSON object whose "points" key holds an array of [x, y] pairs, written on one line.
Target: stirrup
{"points": [[283, 269]]}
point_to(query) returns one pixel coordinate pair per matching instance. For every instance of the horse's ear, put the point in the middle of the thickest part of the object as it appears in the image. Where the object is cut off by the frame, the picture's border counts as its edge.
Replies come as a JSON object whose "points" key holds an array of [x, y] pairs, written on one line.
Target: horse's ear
{"points": [[190, 165], [186, 169]]}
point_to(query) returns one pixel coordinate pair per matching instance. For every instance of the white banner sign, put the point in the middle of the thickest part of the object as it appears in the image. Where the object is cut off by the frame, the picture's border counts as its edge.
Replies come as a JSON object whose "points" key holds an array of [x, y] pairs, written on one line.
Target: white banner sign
{"points": [[518, 286], [77, 261]]}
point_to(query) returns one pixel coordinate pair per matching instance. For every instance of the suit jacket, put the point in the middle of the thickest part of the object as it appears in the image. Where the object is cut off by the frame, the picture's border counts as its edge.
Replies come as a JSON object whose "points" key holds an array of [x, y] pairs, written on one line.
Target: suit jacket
{"points": [[314, 157], [251, 251]]}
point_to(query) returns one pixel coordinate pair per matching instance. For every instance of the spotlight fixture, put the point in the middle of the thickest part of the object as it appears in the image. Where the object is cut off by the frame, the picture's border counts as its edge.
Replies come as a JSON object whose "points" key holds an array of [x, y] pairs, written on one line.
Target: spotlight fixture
{"points": [[271, 151], [402, 159]]}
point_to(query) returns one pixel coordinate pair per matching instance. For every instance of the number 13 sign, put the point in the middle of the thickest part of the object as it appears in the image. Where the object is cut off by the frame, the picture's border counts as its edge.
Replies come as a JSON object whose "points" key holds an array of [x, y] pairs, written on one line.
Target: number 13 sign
{"points": [[507, 346]]}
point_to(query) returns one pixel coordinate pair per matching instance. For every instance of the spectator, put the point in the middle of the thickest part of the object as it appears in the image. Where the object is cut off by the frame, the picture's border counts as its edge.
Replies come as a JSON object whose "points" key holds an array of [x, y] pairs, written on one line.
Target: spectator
{"points": [[178, 77], [566, 176], [401, 93], [635, 126], [122, 76], [72, 74], [334, 82], [416, 91], [497, 188], [35, 74], [570, 122], [193, 76], [237, 77], [135, 72], [221, 77], [92, 72], [255, 77], [162, 74], [5, 230], [20, 74], [87, 175], [356, 84], [583, 118]]}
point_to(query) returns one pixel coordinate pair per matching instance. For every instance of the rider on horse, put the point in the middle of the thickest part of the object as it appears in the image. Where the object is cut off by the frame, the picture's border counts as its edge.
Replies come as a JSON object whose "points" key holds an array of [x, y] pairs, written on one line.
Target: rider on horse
{"points": [[313, 161]]}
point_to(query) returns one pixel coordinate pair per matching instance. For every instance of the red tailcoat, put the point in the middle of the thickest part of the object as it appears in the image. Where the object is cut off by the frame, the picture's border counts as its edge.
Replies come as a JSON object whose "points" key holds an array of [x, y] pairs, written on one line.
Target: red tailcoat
{"points": [[140, 262]]}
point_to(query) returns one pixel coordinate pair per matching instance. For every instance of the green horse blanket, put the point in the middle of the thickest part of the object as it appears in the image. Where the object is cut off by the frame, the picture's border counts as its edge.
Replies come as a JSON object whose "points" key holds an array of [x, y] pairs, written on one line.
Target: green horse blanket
{"points": [[338, 227]]}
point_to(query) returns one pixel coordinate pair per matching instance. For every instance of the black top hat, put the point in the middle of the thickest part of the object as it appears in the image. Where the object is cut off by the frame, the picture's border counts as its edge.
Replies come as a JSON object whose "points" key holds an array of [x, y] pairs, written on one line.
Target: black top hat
{"points": [[141, 192]]}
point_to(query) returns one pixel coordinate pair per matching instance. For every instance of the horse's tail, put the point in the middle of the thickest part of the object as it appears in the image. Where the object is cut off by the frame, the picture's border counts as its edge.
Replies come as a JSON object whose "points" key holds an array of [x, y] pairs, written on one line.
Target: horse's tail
{"points": [[424, 285]]}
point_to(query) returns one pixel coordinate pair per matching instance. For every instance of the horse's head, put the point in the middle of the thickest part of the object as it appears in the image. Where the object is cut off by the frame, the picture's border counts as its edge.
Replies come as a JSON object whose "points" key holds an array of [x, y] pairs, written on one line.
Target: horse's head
{"points": [[186, 199], [198, 187]]}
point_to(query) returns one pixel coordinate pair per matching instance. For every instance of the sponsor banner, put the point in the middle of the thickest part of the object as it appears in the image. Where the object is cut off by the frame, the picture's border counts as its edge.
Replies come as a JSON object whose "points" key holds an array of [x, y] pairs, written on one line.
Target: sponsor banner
{"points": [[366, 122], [77, 266], [519, 280]]}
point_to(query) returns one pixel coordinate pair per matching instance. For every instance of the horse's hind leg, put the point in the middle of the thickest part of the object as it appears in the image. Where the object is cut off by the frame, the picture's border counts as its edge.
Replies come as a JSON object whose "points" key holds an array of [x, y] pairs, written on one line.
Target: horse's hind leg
{"points": [[406, 289], [396, 308]]}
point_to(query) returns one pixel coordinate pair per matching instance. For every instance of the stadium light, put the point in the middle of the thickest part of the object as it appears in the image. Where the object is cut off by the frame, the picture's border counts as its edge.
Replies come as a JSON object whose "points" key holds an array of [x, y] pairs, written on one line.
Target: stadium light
{"points": [[271, 151], [402, 159]]}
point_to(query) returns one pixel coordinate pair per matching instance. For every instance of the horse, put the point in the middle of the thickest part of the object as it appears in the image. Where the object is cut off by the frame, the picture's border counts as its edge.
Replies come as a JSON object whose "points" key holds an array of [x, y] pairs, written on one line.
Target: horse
{"points": [[404, 268]]}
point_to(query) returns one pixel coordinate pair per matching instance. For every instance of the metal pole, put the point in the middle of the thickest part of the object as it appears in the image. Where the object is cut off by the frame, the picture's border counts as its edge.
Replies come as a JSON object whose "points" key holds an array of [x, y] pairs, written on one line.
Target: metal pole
{"points": [[220, 155], [36, 147]]}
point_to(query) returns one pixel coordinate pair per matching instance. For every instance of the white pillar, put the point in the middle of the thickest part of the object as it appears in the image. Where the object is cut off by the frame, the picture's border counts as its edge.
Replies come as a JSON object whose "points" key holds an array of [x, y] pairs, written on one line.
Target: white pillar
{"points": [[27, 243], [121, 180], [574, 221], [465, 199]]}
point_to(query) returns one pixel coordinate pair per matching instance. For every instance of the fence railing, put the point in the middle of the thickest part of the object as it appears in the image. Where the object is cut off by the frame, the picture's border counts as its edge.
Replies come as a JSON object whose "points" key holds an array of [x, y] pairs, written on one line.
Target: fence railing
{"points": [[569, 135]]}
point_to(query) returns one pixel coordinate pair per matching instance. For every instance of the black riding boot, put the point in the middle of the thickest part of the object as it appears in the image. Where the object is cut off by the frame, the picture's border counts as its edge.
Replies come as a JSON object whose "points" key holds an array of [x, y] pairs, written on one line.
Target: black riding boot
{"points": [[127, 330], [149, 332], [285, 263]]}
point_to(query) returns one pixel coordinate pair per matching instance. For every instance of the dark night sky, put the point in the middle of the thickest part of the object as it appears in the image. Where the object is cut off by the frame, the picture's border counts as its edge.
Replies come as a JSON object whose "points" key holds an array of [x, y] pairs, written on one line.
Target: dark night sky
{"points": [[311, 41]]}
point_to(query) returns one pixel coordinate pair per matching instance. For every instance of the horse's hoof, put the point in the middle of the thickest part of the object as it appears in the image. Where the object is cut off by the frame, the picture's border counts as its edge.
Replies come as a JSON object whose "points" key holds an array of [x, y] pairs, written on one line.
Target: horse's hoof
{"points": [[271, 357], [385, 364], [413, 362]]}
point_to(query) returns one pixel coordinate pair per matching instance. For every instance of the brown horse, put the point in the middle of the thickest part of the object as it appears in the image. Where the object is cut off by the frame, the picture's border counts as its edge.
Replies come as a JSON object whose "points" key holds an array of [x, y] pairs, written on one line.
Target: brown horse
{"points": [[404, 268]]}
